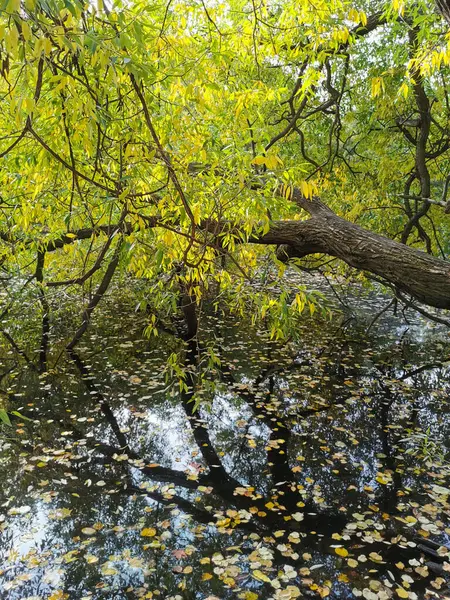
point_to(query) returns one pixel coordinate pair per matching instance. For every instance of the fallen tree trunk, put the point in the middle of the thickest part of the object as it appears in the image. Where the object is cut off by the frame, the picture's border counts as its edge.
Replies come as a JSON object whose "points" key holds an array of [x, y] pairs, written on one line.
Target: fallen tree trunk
{"points": [[412, 271]]}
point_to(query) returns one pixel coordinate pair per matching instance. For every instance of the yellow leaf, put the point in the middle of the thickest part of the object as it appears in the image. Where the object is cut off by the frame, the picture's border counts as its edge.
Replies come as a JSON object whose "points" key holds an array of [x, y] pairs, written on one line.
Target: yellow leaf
{"points": [[401, 593], [58, 595], [257, 574], [304, 188], [206, 576], [399, 6], [424, 533], [404, 90], [353, 15], [383, 478], [46, 46], [91, 559], [148, 532], [249, 596], [377, 86], [109, 571], [272, 161], [411, 519], [259, 160], [376, 557], [287, 191], [341, 551], [26, 31]]}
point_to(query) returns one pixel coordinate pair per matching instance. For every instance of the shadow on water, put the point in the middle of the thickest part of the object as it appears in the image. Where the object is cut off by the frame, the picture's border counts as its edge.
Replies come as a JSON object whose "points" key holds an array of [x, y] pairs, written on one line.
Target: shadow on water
{"points": [[248, 469]]}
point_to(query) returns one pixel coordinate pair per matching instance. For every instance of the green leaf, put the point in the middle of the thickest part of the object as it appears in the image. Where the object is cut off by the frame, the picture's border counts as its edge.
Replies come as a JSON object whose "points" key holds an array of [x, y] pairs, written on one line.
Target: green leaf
{"points": [[18, 414], [4, 418]]}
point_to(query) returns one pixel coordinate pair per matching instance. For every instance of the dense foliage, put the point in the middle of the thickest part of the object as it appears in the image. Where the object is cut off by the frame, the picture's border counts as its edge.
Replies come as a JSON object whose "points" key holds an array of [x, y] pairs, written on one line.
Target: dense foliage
{"points": [[152, 138]]}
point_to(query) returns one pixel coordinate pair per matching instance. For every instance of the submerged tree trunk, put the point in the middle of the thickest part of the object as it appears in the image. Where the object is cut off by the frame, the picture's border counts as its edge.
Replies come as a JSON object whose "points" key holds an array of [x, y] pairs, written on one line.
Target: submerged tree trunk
{"points": [[412, 271]]}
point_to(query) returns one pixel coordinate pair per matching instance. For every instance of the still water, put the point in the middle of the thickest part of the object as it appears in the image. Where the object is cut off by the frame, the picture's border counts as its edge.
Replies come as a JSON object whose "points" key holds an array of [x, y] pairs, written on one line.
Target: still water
{"points": [[316, 468]]}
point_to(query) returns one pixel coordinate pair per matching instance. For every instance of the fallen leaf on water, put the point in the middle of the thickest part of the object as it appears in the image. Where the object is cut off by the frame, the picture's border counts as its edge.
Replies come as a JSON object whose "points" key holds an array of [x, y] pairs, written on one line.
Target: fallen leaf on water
{"points": [[91, 559], [257, 574], [109, 571]]}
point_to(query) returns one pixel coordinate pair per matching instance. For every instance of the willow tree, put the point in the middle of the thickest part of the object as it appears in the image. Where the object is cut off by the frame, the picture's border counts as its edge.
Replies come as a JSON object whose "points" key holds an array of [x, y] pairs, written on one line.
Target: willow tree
{"points": [[186, 141]]}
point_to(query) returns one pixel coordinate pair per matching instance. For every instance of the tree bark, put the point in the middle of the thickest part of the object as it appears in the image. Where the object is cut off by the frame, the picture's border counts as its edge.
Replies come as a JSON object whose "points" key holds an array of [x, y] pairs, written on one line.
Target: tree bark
{"points": [[411, 271]]}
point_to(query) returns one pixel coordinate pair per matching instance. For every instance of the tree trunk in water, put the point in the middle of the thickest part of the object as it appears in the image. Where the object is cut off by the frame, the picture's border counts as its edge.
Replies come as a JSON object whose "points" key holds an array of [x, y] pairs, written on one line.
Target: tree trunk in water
{"points": [[411, 271]]}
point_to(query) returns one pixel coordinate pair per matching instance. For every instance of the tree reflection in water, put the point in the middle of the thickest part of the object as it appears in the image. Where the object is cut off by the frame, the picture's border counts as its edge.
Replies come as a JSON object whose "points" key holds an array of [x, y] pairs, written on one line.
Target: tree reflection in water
{"points": [[290, 478]]}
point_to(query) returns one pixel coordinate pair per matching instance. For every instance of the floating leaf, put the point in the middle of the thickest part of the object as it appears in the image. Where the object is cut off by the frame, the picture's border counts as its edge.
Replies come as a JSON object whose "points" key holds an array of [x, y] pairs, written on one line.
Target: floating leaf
{"points": [[257, 574], [148, 532], [108, 570]]}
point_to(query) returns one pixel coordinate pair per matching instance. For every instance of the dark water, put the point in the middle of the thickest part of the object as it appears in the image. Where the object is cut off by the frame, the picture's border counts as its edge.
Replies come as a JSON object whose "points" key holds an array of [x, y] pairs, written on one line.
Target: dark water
{"points": [[315, 468]]}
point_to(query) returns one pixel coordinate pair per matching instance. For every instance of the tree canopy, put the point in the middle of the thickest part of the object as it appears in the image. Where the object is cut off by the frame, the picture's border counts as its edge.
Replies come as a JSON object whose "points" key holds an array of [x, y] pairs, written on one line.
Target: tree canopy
{"points": [[185, 142]]}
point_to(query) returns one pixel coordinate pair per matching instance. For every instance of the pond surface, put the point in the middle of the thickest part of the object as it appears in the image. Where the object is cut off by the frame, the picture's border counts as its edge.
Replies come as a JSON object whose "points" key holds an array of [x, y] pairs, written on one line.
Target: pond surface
{"points": [[314, 468]]}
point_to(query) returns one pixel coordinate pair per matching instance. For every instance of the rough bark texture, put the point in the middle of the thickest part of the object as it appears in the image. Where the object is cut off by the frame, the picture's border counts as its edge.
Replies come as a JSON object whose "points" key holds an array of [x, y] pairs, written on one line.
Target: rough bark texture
{"points": [[424, 277]]}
